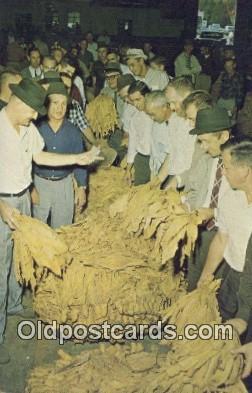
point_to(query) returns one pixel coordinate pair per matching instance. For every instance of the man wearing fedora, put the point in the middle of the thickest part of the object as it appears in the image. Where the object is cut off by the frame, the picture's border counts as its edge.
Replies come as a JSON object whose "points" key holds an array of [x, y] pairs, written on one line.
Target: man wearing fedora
{"points": [[20, 144], [154, 79], [205, 183], [55, 185]]}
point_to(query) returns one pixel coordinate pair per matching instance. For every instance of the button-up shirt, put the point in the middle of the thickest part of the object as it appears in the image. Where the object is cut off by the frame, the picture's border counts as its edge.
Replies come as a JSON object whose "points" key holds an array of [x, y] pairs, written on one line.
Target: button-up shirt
{"points": [[67, 140], [234, 219], [16, 153], [140, 129], [173, 138], [155, 79]]}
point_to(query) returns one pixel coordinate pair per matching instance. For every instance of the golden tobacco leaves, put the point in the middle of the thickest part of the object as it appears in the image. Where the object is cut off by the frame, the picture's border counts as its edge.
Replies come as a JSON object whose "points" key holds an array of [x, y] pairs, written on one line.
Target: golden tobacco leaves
{"points": [[188, 366], [101, 115]]}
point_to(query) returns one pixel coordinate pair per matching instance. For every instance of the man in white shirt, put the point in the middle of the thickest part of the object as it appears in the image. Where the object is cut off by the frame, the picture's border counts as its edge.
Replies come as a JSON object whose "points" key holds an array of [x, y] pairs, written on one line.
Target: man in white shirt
{"points": [[20, 144], [154, 79], [204, 182], [186, 64], [123, 84], [172, 146], [140, 128], [234, 226]]}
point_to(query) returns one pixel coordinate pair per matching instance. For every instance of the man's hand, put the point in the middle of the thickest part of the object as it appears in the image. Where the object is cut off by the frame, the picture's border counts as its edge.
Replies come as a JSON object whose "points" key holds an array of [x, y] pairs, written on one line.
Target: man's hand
{"points": [[245, 350], [129, 176], [8, 213], [80, 199], [90, 157], [155, 182], [172, 184], [238, 324], [206, 213], [35, 196], [204, 278]]}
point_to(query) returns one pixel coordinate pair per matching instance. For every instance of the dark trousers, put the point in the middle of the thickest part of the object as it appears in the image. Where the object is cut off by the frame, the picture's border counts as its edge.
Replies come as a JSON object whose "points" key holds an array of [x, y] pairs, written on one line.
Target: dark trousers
{"points": [[197, 261], [142, 169], [115, 141], [227, 295], [228, 292]]}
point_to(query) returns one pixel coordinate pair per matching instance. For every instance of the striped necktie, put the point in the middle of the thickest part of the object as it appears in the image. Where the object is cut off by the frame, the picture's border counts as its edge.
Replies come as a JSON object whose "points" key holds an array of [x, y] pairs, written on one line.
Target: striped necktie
{"points": [[215, 192]]}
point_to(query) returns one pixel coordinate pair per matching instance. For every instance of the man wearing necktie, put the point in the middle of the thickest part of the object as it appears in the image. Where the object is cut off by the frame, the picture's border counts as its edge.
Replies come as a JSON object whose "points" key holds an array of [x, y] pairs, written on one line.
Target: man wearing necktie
{"points": [[34, 70], [212, 129]]}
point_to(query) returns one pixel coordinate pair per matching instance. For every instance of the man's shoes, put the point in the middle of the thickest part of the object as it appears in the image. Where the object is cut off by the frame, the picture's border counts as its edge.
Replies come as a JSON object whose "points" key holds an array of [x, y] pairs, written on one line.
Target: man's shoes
{"points": [[26, 313], [4, 354]]}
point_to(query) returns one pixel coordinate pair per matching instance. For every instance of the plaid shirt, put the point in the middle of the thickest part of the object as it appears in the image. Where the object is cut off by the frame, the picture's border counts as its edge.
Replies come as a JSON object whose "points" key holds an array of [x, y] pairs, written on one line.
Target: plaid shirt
{"points": [[76, 116], [232, 87]]}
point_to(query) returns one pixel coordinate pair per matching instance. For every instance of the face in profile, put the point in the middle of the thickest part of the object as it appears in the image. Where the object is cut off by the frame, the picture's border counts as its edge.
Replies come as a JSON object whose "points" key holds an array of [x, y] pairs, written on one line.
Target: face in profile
{"points": [[135, 66], [137, 99], [24, 112]]}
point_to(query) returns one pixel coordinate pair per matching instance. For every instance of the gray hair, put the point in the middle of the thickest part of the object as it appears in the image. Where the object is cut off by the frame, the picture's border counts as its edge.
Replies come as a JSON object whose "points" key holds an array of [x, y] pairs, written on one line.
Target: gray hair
{"points": [[156, 98], [241, 152], [182, 85], [201, 99]]}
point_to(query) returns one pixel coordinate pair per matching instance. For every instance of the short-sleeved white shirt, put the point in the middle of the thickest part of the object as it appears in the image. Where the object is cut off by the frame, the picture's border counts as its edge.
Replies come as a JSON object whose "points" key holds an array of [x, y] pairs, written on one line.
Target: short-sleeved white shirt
{"points": [[172, 138], [140, 130], [155, 79], [16, 154], [235, 219]]}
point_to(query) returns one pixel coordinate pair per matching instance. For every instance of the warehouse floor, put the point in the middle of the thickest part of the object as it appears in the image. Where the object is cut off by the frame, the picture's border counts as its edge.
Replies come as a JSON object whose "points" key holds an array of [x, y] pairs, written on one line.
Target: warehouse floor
{"points": [[27, 354]]}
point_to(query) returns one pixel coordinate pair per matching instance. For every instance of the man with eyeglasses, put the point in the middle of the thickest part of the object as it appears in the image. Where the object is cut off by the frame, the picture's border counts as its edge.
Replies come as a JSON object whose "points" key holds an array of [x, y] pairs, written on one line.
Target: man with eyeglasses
{"points": [[112, 73]]}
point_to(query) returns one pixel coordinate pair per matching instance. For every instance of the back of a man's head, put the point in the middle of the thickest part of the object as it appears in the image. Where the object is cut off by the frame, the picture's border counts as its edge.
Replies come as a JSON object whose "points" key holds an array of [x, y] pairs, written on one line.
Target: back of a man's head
{"points": [[200, 99], [7, 77], [139, 86], [182, 85], [156, 99]]}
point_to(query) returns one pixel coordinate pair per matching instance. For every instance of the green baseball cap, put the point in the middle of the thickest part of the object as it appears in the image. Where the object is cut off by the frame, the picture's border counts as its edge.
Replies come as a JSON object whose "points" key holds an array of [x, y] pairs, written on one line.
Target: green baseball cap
{"points": [[57, 88], [211, 120]]}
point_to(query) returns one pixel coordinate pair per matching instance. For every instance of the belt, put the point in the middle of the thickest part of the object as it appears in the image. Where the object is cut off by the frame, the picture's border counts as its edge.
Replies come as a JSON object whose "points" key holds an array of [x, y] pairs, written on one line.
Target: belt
{"points": [[52, 178], [19, 194]]}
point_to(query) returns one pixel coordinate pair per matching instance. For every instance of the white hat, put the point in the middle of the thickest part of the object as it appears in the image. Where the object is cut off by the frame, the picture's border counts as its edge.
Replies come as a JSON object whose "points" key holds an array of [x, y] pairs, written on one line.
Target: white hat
{"points": [[136, 53]]}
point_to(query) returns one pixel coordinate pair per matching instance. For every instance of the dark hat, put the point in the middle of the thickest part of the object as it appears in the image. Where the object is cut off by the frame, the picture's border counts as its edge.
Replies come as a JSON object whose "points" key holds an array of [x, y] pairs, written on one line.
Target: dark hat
{"points": [[57, 88], [112, 67], [31, 93], [124, 80], [211, 120]]}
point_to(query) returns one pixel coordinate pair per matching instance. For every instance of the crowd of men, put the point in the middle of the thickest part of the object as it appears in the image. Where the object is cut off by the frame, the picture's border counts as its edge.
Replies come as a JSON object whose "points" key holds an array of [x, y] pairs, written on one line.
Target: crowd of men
{"points": [[189, 131]]}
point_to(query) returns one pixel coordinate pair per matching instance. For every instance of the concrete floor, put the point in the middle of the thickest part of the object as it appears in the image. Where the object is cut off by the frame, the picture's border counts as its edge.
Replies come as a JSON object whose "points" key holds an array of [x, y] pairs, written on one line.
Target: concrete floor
{"points": [[26, 355]]}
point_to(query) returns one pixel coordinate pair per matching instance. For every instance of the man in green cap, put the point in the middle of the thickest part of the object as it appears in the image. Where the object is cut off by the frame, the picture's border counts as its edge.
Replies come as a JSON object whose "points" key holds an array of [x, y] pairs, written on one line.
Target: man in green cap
{"points": [[212, 128], [55, 186], [20, 144]]}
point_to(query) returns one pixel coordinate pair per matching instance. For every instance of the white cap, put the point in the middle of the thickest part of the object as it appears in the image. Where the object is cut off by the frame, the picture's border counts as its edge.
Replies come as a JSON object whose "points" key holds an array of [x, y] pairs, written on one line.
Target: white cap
{"points": [[136, 53]]}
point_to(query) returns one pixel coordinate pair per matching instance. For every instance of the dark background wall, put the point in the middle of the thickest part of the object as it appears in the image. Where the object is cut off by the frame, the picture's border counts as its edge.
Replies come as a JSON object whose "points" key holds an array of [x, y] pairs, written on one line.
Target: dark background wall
{"points": [[165, 22], [164, 19]]}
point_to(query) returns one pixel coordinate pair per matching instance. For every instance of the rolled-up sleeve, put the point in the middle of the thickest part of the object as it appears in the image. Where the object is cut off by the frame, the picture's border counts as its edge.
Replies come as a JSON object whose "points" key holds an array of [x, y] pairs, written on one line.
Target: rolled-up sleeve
{"points": [[38, 143]]}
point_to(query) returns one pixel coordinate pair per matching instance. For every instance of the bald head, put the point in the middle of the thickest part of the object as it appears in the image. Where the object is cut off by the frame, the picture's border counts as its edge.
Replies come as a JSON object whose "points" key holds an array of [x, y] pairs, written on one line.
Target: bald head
{"points": [[6, 79]]}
